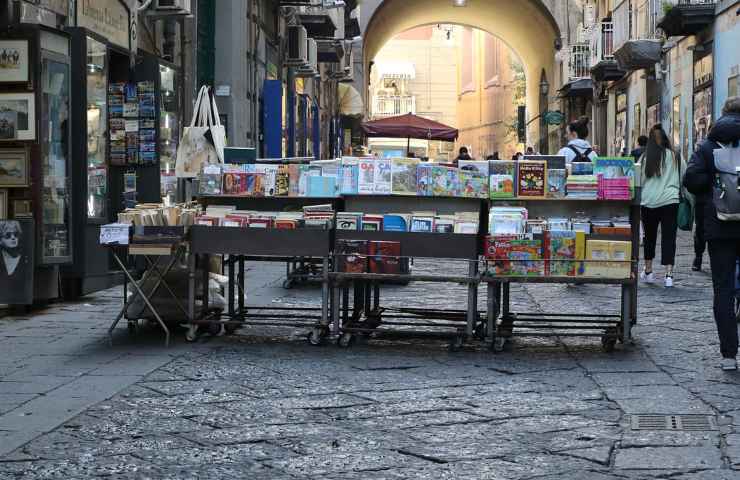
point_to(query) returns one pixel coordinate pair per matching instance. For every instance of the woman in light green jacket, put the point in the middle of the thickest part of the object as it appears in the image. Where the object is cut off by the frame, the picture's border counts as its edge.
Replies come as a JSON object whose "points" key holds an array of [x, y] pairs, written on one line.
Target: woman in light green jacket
{"points": [[661, 184]]}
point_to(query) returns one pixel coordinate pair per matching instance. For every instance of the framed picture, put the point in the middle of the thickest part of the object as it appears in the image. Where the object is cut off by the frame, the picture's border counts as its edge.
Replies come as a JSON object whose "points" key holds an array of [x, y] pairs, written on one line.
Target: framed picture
{"points": [[14, 61], [3, 204], [21, 109], [16, 261], [22, 209], [14, 167]]}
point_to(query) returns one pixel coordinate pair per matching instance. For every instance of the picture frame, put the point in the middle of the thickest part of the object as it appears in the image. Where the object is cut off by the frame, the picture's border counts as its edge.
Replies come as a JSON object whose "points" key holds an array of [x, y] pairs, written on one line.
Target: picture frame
{"points": [[21, 108], [22, 208], [14, 61], [14, 168], [17, 248], [3, 204]]}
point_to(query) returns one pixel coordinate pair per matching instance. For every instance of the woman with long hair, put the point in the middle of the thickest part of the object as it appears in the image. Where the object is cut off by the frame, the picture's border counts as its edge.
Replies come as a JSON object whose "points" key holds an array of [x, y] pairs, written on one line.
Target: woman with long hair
{"points": [[661, 188]]}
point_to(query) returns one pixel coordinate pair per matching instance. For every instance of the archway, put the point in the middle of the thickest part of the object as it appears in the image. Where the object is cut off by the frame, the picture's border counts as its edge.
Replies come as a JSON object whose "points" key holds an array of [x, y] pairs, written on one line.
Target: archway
{"points": [[525, 25]]}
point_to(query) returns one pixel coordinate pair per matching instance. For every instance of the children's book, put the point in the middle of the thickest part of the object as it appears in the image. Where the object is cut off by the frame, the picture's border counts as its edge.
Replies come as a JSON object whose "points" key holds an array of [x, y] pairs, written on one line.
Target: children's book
{"points": [[403, 176], [479, 166], [424, 180], [502, 180], [382, 178], [614, 167], [454, 182], [560, 253], [582, 168], [473, 184], [532, 179], [556, 183], [439, 181], [366, 181]]}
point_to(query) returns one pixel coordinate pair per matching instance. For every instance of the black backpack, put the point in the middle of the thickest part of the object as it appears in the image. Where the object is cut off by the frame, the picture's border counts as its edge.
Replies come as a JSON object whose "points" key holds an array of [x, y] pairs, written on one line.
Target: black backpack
{"points": [[581, 156]]}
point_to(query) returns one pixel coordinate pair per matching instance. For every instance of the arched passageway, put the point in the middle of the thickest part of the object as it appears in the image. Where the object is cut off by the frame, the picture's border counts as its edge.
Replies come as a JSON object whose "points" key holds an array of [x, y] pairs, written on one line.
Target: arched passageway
{"points": [[525, 25]]}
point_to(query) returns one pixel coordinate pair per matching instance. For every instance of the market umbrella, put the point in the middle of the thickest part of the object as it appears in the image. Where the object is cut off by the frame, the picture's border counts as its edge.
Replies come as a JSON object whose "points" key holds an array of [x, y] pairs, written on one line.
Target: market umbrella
{"points": [[410, 126]]}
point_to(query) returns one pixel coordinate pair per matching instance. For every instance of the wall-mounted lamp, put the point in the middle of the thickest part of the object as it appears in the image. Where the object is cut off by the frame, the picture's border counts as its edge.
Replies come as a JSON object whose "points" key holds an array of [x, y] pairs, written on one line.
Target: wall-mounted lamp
{"points": [[544, 87], [459, 3]]}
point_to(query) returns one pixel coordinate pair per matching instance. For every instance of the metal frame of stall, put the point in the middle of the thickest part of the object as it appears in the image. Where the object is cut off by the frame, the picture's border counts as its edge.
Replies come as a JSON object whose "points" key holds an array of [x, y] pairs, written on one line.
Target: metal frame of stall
{"points": [[237, 245], [503, 324], [361, 314]]}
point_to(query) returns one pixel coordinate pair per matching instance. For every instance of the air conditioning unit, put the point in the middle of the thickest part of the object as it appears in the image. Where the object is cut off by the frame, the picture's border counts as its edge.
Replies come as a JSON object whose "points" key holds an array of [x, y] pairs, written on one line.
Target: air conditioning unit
{"points": [[311, 67], [179, 7], [297, 46], [345, 70]]}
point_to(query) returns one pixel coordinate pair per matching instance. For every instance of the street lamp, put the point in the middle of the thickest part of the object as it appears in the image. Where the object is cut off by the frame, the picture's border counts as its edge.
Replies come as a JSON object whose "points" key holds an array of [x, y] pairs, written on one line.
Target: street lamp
{"points": [[544, 86]]}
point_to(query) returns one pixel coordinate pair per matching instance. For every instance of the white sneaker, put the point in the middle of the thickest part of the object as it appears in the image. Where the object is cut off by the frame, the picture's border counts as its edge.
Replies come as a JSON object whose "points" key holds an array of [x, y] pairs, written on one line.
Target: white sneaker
{"points": [[668, 281], [647, 277], [728, 364]]}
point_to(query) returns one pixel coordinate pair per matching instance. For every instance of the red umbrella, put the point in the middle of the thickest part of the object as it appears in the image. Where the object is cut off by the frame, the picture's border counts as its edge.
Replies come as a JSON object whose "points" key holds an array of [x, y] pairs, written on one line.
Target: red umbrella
{"points": [[410, 126]]}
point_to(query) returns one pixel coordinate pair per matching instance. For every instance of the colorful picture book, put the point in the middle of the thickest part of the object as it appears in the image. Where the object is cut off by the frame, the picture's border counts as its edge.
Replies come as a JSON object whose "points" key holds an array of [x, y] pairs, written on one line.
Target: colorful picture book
{"points": [[382, 179], [531, 179], [403, 176], [502, 180], [556, 180]]}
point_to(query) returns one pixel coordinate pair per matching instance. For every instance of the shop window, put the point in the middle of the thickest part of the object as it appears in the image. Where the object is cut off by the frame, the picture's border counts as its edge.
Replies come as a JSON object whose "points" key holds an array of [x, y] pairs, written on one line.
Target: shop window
{"points": [[169, 128], [97, 117], [703, 71], [467, 65], [653, 116], [702, 113]]}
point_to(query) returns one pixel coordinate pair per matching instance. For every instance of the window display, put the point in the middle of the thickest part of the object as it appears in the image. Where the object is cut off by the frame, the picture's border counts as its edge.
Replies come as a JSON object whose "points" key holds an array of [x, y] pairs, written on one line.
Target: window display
{"points": [[55, 236], [97, 173], [168, 130]]}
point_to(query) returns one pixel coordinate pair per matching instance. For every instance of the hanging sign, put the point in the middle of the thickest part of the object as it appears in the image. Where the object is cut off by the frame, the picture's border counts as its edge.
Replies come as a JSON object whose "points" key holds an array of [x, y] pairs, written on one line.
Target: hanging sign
{"points": [[107, 18], [554, 118]]}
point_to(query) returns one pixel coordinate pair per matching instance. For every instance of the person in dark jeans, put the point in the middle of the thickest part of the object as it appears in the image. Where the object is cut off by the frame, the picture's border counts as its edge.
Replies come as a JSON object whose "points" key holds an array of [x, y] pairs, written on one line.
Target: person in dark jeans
{"points": [[642, 141], [723, 236], [700, 241], [659, 207]]}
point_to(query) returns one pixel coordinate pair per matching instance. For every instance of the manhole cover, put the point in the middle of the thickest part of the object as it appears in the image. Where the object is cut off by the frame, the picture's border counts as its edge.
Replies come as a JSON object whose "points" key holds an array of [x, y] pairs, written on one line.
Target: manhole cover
{"points": [[674, 422]]}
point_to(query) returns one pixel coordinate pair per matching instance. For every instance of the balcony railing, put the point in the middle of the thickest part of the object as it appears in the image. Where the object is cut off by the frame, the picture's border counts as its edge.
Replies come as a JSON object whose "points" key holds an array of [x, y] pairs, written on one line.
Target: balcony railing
{"points": [[636, 20], [602, 43], [390, 106], [687, 17], [579, 65]]}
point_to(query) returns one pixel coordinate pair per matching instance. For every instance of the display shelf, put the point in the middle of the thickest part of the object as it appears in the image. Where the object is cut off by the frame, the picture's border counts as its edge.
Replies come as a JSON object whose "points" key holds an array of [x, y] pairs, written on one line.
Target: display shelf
{"points": [[421, 244], [386, 277], [559, 279], [302, 242]]}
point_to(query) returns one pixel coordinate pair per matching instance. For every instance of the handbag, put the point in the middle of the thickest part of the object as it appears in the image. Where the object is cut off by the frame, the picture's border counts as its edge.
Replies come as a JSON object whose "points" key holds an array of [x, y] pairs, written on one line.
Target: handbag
{"points": [[685, 207], [203, 141]]}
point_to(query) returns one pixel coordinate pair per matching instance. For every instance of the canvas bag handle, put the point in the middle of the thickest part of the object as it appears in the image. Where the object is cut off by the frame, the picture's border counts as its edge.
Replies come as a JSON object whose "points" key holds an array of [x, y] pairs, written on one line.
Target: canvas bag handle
{"points": [[197, 110]]}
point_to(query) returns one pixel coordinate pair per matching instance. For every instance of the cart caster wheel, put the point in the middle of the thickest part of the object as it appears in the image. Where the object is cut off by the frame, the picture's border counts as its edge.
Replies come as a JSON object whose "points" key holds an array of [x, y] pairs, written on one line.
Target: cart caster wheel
{"points": [[498, 345], [480, 332], [346, 340], [287, 284], [230, 328], [608, 344], [316, 337], [192, 334], [133, 328]]}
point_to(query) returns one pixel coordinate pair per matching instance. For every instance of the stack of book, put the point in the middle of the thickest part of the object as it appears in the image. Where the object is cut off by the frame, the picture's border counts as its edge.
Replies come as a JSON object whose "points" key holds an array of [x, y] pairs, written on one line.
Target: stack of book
{"points": [[585, 187], [614, 188], [155, 214], [422, 222], [507, 220], [320, 216]]}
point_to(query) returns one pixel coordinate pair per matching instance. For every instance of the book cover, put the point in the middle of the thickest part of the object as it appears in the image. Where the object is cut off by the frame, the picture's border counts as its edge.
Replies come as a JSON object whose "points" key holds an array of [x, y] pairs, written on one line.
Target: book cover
{"points": [[580, 252], [502, 179], [372, 223], [422, 224], [286, 224], [454, 182], [366, 180], [553, 161], [350, 174], [531, 179], [621, 255], [582, 168], [478, 166], [254, 186], [597, 258], [444, 225], [320, 186], [526, 258], [352, 256], [393, 222], [294, 176], [403, 176], [560, 253], [474, 184], [424, 180], [269, 178], [384, 257], [556, 183], [615, 167], [282, 181], [439, 181], [382, 176], [349, 221]]}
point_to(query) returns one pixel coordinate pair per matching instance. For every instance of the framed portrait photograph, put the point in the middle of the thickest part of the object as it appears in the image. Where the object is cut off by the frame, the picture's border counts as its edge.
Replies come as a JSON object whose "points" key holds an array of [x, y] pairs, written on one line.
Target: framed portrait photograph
{"points": [[14, 167], [3, 204], [14, 61], [16, 261], [22, 209], [20, 109]]}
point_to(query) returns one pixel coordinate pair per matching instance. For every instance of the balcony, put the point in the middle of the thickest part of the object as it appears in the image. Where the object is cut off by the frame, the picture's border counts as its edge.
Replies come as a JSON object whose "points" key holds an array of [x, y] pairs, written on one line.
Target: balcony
{"points": [[604, 67], [687, 17], [391, 106], [579, 82], [322, 21], [636, 41]]}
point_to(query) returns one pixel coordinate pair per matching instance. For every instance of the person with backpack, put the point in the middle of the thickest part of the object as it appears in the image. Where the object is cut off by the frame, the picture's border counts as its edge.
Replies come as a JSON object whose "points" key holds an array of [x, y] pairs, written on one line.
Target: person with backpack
{"points": [[642, 141], [714, 172], [578, 149], [661, 193]]}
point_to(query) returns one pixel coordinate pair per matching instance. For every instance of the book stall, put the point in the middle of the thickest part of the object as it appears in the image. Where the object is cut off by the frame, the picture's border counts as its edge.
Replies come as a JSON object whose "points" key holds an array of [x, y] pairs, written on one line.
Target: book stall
{"points": [[549, 223]]}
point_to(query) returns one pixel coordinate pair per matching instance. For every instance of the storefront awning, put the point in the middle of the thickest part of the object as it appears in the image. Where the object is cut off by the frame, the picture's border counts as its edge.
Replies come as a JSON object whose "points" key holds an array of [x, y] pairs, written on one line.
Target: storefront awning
{"points": [[350, 100], [583, 87], [404, 70]]}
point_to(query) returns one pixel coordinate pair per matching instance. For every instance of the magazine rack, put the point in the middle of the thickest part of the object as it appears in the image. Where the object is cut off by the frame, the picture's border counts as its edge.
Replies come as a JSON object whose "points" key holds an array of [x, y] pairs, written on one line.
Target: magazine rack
{"points": [[238, 245], [503, 323], [364, 316]]}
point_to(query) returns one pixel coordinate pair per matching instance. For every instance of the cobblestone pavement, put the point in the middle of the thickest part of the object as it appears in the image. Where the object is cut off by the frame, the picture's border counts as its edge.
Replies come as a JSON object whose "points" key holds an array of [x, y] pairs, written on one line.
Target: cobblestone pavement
{"points": [[264, 404]]}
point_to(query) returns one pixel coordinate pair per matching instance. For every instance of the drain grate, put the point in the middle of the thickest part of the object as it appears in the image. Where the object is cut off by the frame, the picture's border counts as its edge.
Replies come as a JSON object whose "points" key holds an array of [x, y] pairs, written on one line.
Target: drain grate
{"points": [[674, 422]]}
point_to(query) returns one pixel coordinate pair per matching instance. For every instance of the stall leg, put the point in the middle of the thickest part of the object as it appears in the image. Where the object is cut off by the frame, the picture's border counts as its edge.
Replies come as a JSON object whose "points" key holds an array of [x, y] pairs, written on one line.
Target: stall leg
{"points": [[242, 290], [337, 309], [231, 264], [192, 261], [472, 298], [376, 298], [628, 302], [325, 295], [491, 313]]}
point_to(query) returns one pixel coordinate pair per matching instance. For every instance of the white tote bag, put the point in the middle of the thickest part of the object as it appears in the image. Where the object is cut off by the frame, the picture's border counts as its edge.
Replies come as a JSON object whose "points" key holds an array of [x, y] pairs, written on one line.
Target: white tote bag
{"points": [[203, 141]]}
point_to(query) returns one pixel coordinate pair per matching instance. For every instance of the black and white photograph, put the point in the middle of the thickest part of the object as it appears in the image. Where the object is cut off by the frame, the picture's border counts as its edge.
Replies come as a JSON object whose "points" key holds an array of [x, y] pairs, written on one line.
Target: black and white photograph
{"points": [[16, 262], [13, 61], [20, 106], [8, 123], [14, 167]]}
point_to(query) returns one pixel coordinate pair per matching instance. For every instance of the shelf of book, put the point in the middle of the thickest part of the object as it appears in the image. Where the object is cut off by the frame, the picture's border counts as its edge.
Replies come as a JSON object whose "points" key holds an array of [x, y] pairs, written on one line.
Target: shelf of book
{"points": [[421, 244], [558, 279]]}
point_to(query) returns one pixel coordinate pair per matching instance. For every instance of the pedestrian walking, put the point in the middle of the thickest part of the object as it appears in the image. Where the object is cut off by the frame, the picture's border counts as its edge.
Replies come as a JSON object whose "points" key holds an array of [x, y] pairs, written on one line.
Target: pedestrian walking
{"points": [[661, 189], [713, 172], [578, 148], [642, 141]]}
